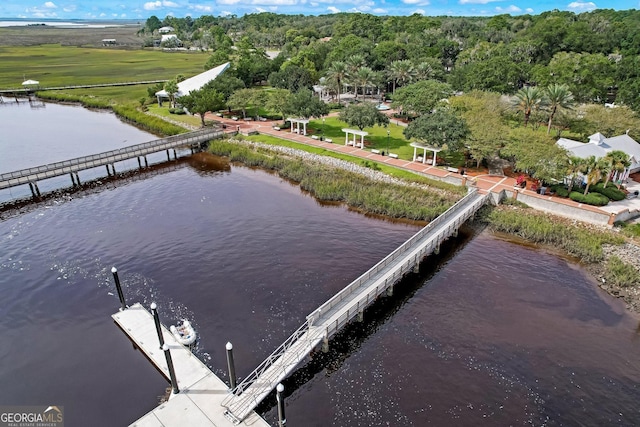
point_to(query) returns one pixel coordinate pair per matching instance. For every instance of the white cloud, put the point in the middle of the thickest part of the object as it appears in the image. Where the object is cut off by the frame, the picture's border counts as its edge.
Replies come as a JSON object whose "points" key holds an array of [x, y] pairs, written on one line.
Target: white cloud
{"points": [[275, 2], [260, 10], [314, 4], [580, 6], [102, 15], [416, 2], [510, 9], [228, 2], [226, 13], [152, 5], [50, 5], [37, 12], [70, 8], [333, 9], [419, 12], [476, 1], [155, 5], [379, 10], [201, 8], [528, 10]]}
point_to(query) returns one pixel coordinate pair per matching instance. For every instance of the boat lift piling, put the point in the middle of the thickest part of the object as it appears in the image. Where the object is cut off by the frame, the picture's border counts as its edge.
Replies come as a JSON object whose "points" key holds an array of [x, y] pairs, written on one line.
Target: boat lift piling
{"points": [[123, 304], [156, 320]]}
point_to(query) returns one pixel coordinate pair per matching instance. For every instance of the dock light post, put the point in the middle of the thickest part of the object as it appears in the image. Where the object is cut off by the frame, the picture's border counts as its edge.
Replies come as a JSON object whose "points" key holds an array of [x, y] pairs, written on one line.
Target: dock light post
{"points": [[172, 372], [282, 419], [388, 133], [322, 128], [231, 365], [156, 320], [123, 304]]}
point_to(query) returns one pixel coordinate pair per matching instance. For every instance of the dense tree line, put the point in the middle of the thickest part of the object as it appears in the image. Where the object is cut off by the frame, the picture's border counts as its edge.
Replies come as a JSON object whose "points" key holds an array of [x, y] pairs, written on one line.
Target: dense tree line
{"points": [[596, 54]]}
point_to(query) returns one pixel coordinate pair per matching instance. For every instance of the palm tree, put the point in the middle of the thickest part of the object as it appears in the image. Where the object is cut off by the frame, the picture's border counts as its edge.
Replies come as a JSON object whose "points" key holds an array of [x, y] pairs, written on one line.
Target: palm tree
{"points": [[424, 71], [574, 167], [364, 78], [592, 168], [617, 161], [557, 97], [337, 74], [354, 63], [528, 99], [171, 87], [401, 71]]}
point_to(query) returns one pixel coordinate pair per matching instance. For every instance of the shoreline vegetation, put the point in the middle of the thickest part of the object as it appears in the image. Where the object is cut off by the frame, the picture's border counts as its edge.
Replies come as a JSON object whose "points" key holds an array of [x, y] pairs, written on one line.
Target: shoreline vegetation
{"points": [[606, 254]]}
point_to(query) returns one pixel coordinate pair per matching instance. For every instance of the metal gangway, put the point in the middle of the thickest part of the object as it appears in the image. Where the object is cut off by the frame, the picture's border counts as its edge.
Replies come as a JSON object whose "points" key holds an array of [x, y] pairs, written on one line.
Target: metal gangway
{"points": [[347, 304], [32, 175]]}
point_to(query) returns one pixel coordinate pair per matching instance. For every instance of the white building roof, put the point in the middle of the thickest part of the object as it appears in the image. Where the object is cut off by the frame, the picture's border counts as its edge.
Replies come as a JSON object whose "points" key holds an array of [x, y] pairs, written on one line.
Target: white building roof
{"points": [[185, 87], [166, 30], [599, 146], [166, 37]]}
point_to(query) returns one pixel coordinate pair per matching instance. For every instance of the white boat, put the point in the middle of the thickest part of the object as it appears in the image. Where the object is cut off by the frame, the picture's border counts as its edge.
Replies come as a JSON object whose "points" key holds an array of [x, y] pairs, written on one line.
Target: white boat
{"points": [[184, 333]]}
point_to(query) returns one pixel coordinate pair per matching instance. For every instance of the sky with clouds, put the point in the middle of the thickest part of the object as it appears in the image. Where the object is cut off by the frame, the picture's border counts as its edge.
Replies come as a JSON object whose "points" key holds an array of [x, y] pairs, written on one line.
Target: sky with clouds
{"points": [[127, 9]]}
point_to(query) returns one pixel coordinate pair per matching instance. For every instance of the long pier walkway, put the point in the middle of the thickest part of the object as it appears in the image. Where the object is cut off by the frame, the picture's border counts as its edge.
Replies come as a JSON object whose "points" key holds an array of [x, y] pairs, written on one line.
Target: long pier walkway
{"points": [[346, 305], [32, 175], [26, 90], [201, 392]]}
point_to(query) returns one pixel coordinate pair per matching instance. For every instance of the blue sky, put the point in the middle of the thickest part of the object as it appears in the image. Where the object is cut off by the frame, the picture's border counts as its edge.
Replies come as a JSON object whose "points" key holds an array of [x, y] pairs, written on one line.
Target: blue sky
{"points": [[142, 9]]}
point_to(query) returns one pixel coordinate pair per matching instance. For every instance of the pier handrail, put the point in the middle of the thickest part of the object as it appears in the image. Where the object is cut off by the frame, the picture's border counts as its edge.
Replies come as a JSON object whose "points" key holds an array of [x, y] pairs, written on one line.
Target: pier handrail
{"points": [[392, 256], [39, 88], [315, 329], [185, 138]]}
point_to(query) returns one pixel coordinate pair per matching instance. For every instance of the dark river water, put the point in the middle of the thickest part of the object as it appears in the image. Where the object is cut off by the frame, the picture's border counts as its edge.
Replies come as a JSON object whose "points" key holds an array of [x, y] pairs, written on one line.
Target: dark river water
{"points": [[490, 333]]}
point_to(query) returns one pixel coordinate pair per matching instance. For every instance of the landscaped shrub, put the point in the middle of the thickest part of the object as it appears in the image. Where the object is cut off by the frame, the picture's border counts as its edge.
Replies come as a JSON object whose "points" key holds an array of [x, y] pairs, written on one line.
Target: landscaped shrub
{"points": [[335, 106], [610, 191], [560, 190], [176, 111], [595, 199]]}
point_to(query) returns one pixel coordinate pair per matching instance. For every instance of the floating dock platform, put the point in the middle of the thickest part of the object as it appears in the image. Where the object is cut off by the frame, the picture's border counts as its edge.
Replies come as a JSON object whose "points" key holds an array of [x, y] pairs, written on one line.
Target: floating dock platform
{"points": [[198, 404]]}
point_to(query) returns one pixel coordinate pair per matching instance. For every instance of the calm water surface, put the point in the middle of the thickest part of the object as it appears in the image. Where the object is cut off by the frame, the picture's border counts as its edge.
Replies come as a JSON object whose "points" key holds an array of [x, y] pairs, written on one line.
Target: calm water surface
{"points": [[492, 333]]}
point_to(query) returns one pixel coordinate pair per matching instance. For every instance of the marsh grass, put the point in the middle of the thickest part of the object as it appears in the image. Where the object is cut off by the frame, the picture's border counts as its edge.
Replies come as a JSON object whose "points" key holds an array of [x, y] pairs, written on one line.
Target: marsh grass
{"points": [[55, 65], [382, 167], [578, 240], [619, 273], [327, 183]]}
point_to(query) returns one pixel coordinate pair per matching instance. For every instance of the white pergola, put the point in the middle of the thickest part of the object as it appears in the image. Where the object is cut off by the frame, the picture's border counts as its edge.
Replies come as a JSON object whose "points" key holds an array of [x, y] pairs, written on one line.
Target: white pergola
{"points": [[424, 147], [298, 122], [354, 132]]}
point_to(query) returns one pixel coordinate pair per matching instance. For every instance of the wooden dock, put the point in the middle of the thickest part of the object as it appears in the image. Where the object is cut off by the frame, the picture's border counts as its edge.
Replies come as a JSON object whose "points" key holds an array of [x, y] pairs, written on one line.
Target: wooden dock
{"points": [[199, 402]]}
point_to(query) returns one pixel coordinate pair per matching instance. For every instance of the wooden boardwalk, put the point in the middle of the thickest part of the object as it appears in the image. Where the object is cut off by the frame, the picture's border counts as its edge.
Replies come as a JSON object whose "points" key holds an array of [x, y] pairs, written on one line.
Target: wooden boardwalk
{"points": [[347, 304], [198, 404], [32, 175], [23, 90]]}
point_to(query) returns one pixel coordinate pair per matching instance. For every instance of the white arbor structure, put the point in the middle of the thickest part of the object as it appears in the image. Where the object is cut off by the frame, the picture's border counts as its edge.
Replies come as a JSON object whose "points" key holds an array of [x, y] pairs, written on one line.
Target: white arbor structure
{"points": [[424, 148], [298, 122], [355, 133]]}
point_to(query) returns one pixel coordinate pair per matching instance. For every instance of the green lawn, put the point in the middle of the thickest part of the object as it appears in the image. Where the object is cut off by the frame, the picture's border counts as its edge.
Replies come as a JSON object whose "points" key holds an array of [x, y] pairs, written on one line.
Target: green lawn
{"points": [[183, 118], [55, 65]]}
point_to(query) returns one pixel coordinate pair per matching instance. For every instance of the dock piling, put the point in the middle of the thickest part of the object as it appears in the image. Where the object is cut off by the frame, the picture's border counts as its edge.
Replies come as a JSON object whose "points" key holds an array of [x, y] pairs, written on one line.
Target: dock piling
{"points": [[231, 366], [156, 320], [172, 372], [123, 304], [282, 419], [73, 180]]}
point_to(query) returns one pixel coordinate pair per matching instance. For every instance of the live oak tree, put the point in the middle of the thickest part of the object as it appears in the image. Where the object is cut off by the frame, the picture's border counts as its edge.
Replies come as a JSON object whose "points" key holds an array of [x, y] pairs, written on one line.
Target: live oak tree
{"points": [[305, 104], [363, 115], [421, 97], [440, 129], [202, 101]]}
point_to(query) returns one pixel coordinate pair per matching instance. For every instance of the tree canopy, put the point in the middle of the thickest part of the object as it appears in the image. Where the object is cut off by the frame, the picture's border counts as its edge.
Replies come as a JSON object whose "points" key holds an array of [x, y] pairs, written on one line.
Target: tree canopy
{"points": [[363, 115]]}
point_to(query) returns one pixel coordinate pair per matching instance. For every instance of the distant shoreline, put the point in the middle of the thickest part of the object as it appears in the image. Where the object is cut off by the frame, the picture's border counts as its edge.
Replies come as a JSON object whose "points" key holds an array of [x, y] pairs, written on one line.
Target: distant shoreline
{"points": [[68, 23]]}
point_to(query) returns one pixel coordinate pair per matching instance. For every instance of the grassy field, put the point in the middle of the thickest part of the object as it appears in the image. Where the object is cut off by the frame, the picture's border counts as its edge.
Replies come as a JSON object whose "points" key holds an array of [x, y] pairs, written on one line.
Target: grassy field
{"points": [[56, 65]]}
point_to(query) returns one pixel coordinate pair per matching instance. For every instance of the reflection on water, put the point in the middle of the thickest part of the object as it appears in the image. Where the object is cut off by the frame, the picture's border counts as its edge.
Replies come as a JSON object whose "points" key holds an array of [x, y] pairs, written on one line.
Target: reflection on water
{"points": [[491, 333]]}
